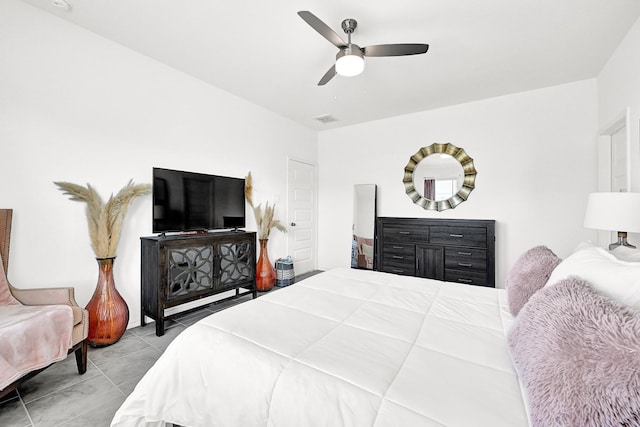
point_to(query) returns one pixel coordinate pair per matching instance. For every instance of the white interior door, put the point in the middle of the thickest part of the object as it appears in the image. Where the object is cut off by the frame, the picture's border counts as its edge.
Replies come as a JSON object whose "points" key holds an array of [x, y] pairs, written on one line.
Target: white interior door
{"points": [[619, 175], [302, 215]]}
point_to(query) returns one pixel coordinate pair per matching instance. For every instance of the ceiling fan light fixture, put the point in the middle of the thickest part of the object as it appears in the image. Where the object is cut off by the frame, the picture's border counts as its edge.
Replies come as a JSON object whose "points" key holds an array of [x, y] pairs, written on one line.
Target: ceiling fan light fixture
{"points": [[350, 61]]}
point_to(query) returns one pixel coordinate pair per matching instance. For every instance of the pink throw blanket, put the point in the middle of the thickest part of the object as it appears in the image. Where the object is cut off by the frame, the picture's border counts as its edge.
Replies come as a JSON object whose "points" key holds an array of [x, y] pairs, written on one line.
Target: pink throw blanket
{"points": [[32, 337]]}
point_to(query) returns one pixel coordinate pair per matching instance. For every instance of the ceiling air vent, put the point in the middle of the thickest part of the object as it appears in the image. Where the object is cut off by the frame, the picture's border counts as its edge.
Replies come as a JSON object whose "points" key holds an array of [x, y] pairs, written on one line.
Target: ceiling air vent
{"points": [[326, 118]]}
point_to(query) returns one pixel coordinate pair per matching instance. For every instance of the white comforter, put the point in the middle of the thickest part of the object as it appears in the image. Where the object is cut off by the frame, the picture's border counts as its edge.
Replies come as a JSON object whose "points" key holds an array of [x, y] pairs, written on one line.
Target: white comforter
{"points": [[343, 348]]}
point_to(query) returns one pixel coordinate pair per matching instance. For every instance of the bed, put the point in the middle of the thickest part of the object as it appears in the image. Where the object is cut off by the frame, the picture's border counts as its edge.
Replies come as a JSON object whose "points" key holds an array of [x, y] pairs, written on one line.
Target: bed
{"points": [[345, 347], [362, 348]]}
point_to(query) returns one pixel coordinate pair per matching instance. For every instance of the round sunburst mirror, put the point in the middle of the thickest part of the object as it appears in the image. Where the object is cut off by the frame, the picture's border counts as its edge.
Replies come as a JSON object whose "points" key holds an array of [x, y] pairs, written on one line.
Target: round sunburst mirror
{"points": [[439, 177]]}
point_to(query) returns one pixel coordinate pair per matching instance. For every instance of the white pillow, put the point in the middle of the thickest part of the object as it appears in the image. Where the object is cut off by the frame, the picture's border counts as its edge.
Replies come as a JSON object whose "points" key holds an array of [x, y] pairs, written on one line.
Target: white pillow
{"points": [[625, 253], [584, 245], [609, 276]]}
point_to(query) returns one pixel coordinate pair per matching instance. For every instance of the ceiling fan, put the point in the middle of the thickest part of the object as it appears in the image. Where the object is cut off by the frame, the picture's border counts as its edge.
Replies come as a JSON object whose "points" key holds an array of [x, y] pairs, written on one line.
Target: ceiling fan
{"points": [[350, 57]]}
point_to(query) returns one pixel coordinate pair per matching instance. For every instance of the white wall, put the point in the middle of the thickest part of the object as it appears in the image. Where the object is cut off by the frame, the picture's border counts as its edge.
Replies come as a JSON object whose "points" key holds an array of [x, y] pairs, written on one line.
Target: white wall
{"points": [[535, 153], [76, 107], [618, 89]]}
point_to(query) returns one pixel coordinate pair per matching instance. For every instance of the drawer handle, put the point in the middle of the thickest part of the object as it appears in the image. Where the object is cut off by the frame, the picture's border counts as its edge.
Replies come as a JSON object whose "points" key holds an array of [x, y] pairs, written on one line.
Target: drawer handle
{"points": [[464, 253], [398, 247], [464, 264], [465, 280], [456, 235], [397, 270], [398, 257], [404, 232]]}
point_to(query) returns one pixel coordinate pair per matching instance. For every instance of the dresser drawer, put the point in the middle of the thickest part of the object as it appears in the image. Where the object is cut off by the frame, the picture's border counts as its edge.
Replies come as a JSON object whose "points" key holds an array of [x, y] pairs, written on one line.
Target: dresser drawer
{"points": [[480, 266], [464, 253], [405, 234], [399, 258], [459, 236], [398, 248], [465, 259], [405, 261], [466, 277], [405, 270], [406, 258]]}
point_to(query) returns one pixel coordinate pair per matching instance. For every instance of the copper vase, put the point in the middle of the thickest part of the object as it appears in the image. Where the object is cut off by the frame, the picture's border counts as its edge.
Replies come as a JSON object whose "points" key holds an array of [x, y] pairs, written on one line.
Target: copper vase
{"points": [[108, 311], [265, 273]]}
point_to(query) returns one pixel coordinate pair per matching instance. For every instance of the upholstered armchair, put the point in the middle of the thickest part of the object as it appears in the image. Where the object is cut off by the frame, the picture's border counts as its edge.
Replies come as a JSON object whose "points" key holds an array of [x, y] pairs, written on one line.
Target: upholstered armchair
{"points": [[50, 317]]}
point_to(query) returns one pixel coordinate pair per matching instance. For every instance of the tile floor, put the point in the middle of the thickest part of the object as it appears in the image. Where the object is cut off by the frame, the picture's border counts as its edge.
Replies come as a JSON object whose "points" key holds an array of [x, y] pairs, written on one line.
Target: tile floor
{"points": [[58, 396]]}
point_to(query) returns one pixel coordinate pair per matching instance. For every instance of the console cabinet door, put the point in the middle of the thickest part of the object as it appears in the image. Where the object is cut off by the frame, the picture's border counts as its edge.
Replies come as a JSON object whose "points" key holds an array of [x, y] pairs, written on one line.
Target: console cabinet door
{"points": [[236, 264], [190, 271]]}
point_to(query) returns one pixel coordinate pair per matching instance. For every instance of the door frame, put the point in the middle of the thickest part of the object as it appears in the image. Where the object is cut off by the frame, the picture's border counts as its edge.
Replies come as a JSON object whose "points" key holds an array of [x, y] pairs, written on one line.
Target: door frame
{"points": [[315, 206], [605, 135]]}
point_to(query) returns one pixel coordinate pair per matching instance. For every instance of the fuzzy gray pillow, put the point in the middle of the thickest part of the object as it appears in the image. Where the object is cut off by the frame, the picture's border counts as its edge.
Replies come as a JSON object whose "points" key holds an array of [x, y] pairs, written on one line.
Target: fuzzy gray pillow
{"points": [[578, 356], [529, 274]]}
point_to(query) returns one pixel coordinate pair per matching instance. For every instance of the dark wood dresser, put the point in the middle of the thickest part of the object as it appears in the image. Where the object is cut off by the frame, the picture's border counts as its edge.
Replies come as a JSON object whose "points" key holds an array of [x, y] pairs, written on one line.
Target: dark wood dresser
{"points": [[454, 250]]}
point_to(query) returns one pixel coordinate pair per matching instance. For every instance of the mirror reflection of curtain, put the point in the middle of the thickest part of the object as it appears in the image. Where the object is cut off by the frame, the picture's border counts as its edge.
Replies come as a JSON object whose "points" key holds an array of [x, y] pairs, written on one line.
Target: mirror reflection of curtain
{"points": [[364, 220], [430, 188]]}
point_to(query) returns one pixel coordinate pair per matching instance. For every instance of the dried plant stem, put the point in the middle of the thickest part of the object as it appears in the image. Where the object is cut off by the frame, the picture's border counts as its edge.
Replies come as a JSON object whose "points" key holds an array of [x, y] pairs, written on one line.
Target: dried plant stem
{"points": [[264, 220], [104, 219]]}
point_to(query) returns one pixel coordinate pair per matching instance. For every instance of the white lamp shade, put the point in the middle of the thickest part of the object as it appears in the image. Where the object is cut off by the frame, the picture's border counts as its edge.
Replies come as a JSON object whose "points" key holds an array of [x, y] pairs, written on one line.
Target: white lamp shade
{"points": [[613, 212], [350, 65]]}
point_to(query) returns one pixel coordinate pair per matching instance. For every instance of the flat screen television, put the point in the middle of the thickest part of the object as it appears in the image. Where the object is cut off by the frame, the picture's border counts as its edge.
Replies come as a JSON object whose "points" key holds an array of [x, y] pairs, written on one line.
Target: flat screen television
{"points": [[190, 201]]}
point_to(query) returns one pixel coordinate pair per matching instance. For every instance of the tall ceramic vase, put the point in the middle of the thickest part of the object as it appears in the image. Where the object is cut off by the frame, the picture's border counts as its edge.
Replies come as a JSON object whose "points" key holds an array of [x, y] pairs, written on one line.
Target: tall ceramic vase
{"points": [[265, 273], [108, 311]]}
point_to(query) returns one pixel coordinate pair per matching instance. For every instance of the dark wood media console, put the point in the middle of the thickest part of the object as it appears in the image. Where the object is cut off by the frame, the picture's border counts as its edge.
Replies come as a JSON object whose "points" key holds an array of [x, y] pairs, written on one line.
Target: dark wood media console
{"points": [[454, 250], [177, 269]]}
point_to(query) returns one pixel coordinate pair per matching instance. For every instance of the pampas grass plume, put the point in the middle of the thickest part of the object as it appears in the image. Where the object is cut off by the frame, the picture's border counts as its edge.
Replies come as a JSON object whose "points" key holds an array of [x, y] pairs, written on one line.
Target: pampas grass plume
{"points": [[104, 219], [264, 220]]}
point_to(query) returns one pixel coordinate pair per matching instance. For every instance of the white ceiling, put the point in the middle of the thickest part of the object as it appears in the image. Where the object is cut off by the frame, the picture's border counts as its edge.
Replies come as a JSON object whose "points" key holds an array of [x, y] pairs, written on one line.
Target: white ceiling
{"points": [[264, 52]]}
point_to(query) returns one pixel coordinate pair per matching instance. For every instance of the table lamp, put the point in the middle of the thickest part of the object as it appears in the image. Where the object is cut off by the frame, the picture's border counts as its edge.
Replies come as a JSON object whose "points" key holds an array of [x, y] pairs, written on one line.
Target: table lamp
{"points": [[614, 212]]}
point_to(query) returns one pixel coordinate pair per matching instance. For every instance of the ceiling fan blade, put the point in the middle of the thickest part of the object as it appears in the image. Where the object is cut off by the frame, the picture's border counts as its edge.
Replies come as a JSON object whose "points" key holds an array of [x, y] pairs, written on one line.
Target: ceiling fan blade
{"points": [[328, 76], [395, 49], [324, 30]]}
